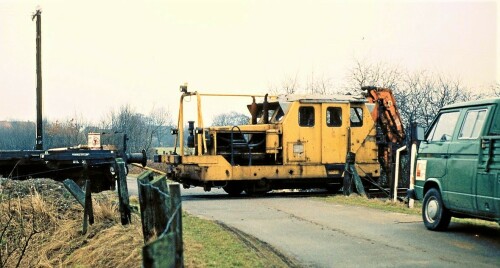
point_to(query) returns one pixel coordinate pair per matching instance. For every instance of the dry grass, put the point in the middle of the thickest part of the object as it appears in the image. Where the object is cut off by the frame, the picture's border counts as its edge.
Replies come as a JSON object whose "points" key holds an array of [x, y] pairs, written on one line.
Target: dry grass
{"points": [[24, 221], [57, 219], [60, 243], [106, 244]]}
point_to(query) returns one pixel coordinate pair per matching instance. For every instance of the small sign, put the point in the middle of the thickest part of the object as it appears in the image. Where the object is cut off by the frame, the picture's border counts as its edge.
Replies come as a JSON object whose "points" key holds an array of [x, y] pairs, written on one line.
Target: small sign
{"points": [[94, 140], [298, 148]]}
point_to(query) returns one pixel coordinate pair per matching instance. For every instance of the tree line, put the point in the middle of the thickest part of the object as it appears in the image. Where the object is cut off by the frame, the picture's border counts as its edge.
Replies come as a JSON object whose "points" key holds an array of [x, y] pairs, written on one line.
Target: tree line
{"points": [[419, 94], [143, 131]]}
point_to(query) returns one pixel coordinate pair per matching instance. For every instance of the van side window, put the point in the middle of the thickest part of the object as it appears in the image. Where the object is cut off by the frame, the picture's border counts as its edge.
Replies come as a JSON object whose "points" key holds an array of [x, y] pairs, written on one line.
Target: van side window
{"points": [[495, 127], [473, 123], [356, 116], [306, 116], [334, 116], [444, 127]]}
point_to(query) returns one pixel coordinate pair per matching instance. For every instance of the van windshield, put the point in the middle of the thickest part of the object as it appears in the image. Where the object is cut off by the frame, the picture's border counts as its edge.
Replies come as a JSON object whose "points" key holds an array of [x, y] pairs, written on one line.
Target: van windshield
{"points": [[444, 127]]}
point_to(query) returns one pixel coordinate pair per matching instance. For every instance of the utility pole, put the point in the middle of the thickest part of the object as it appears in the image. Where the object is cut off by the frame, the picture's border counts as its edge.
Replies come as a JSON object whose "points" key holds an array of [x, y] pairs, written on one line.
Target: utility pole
{"points": [[39, 118]]}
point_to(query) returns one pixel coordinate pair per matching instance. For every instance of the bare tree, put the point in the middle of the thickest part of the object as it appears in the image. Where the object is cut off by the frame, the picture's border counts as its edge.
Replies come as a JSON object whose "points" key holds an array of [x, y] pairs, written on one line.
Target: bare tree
{"points": [[65, 133], [289, 85], [156, 121], [17, 135], [373, 74], [496, 89], [419, 95], [318, 85], [230, 119], [422, 94], [142, 130]]}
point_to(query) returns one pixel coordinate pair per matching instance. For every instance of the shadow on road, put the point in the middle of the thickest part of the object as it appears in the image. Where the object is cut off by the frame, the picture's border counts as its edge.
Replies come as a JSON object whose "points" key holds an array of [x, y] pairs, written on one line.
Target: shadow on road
{"points": [[223, 196], [476, 230]]}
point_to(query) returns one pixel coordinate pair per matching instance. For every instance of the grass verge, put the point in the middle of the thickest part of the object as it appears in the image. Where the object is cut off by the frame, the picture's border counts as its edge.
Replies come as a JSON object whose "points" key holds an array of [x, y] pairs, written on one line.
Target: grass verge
{"points": [[211, 244], [400, 207]]}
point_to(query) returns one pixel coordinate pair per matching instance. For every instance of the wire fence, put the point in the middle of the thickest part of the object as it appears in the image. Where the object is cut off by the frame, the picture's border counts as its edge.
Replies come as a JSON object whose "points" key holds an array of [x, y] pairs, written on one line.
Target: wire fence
{"points": [[161, 217]]}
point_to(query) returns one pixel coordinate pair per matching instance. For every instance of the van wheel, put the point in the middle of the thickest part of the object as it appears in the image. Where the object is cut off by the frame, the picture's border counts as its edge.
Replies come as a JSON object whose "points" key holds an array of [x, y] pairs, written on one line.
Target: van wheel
{"points": [[233, 188], [436, 217]]}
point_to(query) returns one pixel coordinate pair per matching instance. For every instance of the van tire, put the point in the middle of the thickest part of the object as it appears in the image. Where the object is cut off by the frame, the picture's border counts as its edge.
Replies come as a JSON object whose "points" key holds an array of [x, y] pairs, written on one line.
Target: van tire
{"points": [[436, 217]]}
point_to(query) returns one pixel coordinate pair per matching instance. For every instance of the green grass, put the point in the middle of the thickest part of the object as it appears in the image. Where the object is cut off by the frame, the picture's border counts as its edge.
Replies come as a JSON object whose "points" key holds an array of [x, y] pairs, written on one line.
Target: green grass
{"points": [[376, 203], [207, 244]]}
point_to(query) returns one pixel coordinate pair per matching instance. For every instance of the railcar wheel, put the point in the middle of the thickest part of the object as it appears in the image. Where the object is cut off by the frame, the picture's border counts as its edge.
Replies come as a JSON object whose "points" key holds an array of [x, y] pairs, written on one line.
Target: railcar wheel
{"points": [[257, 188], [436, 217], [233, 189], [255, 193], [333, 188]]}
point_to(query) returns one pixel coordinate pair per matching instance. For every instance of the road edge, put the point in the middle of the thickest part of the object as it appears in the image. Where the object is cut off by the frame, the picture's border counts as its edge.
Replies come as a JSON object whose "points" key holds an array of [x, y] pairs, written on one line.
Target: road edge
{"points": [[262, 248]]}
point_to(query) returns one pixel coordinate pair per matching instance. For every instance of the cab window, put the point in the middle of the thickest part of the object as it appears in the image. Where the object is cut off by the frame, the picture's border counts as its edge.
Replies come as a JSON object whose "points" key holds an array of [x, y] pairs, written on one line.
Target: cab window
{"points": [[334, 116], [473, 123], [306, 116], [356, 116], [277, 115], [444, 127]]}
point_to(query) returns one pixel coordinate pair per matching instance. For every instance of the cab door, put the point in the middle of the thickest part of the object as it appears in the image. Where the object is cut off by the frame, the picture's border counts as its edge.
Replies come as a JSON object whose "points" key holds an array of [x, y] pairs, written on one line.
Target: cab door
{"points": [[434, 150], [334, 133], [306, 144]]}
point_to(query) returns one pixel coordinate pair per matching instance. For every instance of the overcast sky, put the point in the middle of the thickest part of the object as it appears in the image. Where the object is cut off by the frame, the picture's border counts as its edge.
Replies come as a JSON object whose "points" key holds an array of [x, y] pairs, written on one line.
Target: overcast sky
{"points": [[99, 55]]}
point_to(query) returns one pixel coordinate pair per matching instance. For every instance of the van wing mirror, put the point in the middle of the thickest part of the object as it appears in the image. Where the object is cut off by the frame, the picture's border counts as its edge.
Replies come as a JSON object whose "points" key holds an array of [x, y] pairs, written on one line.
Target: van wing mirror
{"points": [[418, 133]]}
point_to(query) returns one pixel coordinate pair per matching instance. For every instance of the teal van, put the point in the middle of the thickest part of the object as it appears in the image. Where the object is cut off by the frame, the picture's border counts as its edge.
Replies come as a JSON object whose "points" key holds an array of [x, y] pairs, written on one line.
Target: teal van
{"points": [[457, 172]]}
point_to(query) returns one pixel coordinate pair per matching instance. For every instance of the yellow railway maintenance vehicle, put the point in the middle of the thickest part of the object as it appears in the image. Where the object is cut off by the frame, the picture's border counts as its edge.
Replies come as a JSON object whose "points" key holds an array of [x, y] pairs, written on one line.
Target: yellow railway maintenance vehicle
{"points": [[291, 142]]}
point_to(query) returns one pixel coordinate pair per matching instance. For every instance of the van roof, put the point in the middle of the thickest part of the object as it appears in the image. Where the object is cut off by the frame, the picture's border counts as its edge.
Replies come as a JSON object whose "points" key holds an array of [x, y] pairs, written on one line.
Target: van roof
{"points": [[473, 103]]}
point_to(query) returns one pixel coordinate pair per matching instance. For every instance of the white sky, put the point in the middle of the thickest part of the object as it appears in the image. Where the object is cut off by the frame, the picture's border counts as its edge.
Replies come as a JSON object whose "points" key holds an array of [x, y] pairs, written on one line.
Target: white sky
{"points": [[99, 55]]}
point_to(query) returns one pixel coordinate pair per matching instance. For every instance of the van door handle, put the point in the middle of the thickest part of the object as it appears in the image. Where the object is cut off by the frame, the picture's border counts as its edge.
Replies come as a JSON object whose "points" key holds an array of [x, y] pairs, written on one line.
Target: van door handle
{"points": [[445, 156]]}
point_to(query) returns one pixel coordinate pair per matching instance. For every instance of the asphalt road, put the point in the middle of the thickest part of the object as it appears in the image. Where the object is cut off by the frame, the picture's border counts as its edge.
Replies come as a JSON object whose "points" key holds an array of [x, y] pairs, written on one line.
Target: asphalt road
{"points": [[320, 234]]}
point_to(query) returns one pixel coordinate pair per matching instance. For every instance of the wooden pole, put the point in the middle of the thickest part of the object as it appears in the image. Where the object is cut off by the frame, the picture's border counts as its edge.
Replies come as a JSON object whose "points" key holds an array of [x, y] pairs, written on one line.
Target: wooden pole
{"points": [[176, 205], [88, 212], [154, 204], [39, 116], [75, 190], [124, 204]]}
